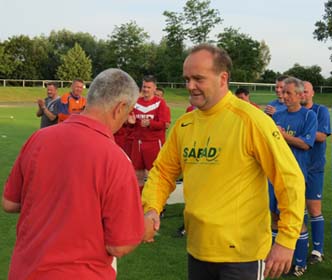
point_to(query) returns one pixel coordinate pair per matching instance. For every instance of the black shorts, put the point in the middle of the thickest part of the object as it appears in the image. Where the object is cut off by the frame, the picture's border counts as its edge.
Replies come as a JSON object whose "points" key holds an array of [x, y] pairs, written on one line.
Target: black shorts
{"points": [[200, 270]]}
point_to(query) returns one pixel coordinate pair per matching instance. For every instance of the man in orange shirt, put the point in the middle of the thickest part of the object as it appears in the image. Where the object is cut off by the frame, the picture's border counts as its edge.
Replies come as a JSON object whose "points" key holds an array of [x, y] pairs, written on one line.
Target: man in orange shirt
{"points": [[72, 102]]}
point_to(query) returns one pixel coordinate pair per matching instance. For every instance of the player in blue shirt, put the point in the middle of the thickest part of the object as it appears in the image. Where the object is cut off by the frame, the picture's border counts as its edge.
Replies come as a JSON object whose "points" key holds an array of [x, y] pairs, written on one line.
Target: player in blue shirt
{"points": [[315, 178], [298, 126], [277, 104]]}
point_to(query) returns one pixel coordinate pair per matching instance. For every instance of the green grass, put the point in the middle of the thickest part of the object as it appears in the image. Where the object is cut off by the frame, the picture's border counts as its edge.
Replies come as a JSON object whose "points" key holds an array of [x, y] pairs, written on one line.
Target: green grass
{"points": [[164, 259]]}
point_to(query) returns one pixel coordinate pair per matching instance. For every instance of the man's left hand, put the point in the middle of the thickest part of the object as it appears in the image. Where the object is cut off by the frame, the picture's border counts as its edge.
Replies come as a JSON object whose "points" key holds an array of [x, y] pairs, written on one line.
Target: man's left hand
{"points": [[278, 261]]}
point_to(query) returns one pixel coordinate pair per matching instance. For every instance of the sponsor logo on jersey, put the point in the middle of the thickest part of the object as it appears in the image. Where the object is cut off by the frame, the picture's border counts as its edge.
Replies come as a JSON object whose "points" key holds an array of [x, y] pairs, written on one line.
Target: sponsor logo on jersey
{"points": [[276, 134], [206, 154], [186, 124], [290, 132], [144, 117]]}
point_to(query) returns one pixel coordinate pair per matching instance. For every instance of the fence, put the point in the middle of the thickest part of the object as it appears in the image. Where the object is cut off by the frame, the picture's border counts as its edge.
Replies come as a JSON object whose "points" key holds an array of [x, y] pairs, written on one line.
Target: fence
{"points": [[36, 83], [233, 85]]}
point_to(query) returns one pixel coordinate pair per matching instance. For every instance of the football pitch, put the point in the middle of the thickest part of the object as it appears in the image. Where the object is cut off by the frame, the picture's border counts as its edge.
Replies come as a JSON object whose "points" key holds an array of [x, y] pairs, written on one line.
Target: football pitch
{"points": [[166, 258]]}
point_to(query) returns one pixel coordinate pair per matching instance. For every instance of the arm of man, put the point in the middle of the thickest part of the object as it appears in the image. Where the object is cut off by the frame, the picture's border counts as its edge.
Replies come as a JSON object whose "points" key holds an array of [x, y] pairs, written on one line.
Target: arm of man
{"points": [[122, 213], [324, 127], [295, 141], [321, 136], [49, 114], [10, 206], [279, 164], [41, 104], [160, 184], [163, 119], [120, 251]]}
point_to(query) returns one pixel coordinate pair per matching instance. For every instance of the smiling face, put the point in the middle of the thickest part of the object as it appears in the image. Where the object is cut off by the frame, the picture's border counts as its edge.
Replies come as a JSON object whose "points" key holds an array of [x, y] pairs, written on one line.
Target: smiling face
{"points": [[148, 90], [279, 90], [77, 88], [205, 86], [51, 91]]}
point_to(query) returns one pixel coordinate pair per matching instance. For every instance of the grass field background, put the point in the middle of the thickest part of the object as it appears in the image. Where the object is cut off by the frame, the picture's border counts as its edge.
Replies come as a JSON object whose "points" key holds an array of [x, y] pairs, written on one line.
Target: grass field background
{"points": [[166, 258]]}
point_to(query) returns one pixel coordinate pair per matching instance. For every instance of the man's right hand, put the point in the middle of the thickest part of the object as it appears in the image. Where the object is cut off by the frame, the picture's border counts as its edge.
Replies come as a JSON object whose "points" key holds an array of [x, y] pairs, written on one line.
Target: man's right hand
{"points": [[152, 224], [131, 118], [270, 110]]}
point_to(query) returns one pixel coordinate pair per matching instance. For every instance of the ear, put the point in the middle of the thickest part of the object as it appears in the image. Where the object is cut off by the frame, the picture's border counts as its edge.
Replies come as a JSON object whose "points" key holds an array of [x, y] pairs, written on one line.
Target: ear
{"points": [[119, 109], [223, 78]]}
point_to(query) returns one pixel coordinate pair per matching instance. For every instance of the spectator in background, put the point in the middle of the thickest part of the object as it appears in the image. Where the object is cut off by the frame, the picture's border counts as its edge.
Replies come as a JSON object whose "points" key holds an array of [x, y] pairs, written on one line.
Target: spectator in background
{"points": [[72, 102], [277, 104], [73, 224], [47, 108], [159, 92], [226, 149], [315, 178], [243, 94], [150, 119]]}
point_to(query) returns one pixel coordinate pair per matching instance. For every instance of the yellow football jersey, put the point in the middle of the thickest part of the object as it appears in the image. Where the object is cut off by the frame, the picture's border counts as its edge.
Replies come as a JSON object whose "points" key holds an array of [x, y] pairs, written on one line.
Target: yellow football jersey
{"points": [[225, 155]]}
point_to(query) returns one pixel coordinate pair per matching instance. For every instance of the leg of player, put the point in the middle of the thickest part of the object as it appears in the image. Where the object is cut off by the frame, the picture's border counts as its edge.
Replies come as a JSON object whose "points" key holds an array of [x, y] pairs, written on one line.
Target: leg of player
{"points": [[314, 190], [300, 254], [140, 174], [317, 230]]}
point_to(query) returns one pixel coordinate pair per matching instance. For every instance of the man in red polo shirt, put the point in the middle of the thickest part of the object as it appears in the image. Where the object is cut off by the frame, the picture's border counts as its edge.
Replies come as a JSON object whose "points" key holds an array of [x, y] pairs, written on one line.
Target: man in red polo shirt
{"points": [[76, 191]]}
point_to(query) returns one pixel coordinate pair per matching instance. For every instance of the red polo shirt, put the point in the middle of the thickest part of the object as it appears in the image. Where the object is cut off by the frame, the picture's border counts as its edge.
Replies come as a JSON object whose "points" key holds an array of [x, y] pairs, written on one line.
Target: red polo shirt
{"points": [[78, 192]]}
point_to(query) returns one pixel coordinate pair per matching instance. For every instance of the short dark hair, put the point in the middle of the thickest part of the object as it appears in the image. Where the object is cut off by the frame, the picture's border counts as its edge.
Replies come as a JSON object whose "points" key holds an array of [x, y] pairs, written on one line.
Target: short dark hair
{"points": [[150, 78], [52, 84], [78, 80], [160, 89], [281, 78], [242, 90], [221, 59]]}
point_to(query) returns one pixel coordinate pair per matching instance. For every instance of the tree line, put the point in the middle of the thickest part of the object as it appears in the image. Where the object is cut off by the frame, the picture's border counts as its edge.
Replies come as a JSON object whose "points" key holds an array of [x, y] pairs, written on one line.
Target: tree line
{"points": [[66, 55]]}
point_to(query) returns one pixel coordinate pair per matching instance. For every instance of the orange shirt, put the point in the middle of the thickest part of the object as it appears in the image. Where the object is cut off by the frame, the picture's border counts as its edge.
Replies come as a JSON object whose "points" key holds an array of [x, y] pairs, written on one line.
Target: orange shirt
{"points": [[70, 104]]}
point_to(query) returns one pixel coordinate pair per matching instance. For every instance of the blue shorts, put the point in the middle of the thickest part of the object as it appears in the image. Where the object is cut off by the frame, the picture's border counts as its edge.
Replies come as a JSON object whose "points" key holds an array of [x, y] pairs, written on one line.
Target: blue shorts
{"points": [[314, 185], [273, 200]]}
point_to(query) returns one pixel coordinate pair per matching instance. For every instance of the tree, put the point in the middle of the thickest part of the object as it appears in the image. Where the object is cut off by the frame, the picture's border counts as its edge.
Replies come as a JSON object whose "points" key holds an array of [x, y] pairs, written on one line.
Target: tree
{"points": [[172, 47], [264, 55], [128, 45], [6, 65], [75, 64], [269, 76], [323, 29], [309, 73], [26, 56], [248, 56], [63, 40], [201, 20]]}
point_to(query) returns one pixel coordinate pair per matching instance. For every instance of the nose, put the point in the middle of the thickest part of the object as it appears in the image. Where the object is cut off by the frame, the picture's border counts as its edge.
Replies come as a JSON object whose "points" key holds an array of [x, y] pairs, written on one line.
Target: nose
{"points": [[190, 85]]}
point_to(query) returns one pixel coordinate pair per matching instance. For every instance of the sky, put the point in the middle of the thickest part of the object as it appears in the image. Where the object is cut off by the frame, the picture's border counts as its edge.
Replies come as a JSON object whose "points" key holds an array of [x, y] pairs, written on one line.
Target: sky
{"points": [[286, 25]]}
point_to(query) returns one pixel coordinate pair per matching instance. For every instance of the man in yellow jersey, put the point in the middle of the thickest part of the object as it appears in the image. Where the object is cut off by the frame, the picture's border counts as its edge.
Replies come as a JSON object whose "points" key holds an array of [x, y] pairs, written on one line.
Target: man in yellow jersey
{"points": [[226, 149]]}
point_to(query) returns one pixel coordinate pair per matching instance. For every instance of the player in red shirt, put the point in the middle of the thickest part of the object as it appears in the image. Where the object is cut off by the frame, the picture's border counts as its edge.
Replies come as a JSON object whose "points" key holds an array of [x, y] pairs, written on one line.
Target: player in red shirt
{"points": [[76, 191], [150, 120], [243, 94]]}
